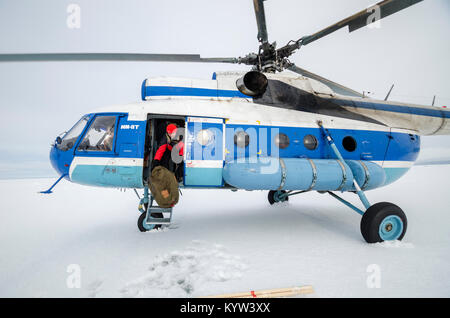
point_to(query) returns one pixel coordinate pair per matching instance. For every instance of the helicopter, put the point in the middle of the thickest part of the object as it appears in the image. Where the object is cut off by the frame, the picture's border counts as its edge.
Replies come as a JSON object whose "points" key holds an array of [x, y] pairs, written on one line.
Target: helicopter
{"points": [[277, 128]]}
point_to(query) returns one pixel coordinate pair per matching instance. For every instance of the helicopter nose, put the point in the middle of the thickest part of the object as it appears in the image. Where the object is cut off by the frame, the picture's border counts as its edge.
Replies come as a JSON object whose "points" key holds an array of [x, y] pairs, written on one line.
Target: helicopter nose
{"points": [[54, 158], [58, 161]]}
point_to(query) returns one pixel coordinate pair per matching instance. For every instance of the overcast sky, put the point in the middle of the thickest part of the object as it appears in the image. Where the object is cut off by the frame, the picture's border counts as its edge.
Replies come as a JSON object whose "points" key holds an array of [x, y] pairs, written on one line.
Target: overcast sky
{"points": [[40, 100]]}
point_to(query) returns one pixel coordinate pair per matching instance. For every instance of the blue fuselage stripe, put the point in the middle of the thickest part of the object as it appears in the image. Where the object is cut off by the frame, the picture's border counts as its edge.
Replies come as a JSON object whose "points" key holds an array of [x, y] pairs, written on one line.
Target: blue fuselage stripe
{"points": [[370, 145], [191, 91]]}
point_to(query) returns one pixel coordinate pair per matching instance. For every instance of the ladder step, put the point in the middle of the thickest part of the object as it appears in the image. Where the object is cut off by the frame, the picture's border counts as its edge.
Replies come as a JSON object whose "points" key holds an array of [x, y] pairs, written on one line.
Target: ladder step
{"points": [[157, 221], [157, 209]]}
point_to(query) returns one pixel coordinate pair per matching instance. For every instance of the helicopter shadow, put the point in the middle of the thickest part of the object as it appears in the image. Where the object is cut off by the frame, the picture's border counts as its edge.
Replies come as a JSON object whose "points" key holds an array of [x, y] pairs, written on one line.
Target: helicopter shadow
{"points": [[307, 220]]}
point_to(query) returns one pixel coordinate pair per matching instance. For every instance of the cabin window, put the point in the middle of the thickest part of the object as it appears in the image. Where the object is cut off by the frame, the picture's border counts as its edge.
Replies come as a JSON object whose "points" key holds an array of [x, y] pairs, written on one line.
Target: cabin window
{"points": [[282, 141], [241, 139], [205, 137], [71, 137], [100, 135], [349, 143], [310, 142]]}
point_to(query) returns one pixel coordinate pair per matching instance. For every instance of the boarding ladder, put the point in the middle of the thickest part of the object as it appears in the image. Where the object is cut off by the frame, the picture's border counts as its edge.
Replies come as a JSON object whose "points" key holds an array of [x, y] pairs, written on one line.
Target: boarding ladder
{"points": [[153, 209]]}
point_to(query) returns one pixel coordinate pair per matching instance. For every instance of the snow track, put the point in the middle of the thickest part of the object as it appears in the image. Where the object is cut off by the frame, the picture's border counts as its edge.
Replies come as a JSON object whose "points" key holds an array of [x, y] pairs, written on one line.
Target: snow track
{"points": [[187, 272]]}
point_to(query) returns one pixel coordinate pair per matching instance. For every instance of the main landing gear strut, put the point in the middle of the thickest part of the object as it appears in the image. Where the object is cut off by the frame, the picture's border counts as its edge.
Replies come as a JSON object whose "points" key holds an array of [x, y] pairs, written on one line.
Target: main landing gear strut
{"points": [[380, 222], [152, 216]]}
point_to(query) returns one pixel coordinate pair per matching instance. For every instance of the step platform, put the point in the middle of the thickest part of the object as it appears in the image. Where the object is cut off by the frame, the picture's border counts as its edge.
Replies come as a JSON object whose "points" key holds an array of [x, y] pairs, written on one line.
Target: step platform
{"points": [[165, 220]]}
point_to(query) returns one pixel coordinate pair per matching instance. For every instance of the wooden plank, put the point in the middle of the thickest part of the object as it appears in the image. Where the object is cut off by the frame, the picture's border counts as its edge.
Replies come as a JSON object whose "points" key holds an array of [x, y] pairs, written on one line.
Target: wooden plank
{"points": [[270, 293]]}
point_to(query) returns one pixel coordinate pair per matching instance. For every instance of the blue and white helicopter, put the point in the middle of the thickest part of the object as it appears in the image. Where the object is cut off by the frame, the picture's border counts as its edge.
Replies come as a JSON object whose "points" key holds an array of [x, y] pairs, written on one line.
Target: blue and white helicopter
{"points": [[267, 129]]}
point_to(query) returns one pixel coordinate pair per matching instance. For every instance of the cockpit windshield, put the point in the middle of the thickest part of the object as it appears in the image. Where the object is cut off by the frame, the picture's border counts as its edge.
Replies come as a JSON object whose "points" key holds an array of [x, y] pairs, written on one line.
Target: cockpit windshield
{"points": [[71, 137], [100, 135]]}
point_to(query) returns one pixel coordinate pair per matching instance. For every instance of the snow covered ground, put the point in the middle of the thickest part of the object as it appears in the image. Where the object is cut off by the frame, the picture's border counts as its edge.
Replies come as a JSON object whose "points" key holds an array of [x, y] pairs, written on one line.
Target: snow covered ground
{"points": [[220, 242]]}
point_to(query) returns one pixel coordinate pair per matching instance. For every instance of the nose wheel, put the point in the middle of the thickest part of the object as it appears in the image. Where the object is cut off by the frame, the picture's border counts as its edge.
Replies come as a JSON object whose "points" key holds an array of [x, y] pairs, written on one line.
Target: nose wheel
{"points": [[142, 220], [152, 216]]}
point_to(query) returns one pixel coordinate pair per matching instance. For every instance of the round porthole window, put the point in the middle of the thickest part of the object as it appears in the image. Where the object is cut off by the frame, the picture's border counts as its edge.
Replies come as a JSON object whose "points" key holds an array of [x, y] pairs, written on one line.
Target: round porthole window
{"points": [[204, 137], [310, 142], [241, 139], [282, 141], [349, 143]]}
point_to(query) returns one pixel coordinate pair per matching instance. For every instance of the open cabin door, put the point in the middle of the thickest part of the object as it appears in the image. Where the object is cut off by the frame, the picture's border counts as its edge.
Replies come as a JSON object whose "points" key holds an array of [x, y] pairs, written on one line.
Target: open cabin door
{"points": [[204, 152]]}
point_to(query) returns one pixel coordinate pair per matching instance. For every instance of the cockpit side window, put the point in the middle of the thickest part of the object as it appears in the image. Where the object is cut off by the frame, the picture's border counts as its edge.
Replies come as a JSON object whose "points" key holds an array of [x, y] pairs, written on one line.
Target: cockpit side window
{"points": [[100, 135], [70, 138]]}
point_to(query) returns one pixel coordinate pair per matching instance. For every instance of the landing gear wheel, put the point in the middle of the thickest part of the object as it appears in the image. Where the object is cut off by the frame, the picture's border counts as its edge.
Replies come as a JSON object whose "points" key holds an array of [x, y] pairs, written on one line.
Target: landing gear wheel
{"points": [[383, 221], [274, 197], [144, 227]]}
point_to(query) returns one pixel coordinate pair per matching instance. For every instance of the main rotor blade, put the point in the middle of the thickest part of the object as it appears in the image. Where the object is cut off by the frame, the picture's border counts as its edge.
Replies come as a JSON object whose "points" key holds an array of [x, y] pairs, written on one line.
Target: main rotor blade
{"points": [[365, 17], [132, 57], [338, 88], [260, 20]]}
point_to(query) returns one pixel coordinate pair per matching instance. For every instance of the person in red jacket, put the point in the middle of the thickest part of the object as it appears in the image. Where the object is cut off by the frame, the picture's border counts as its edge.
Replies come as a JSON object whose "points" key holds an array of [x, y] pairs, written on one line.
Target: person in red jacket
{"points": [[170, 155]]}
